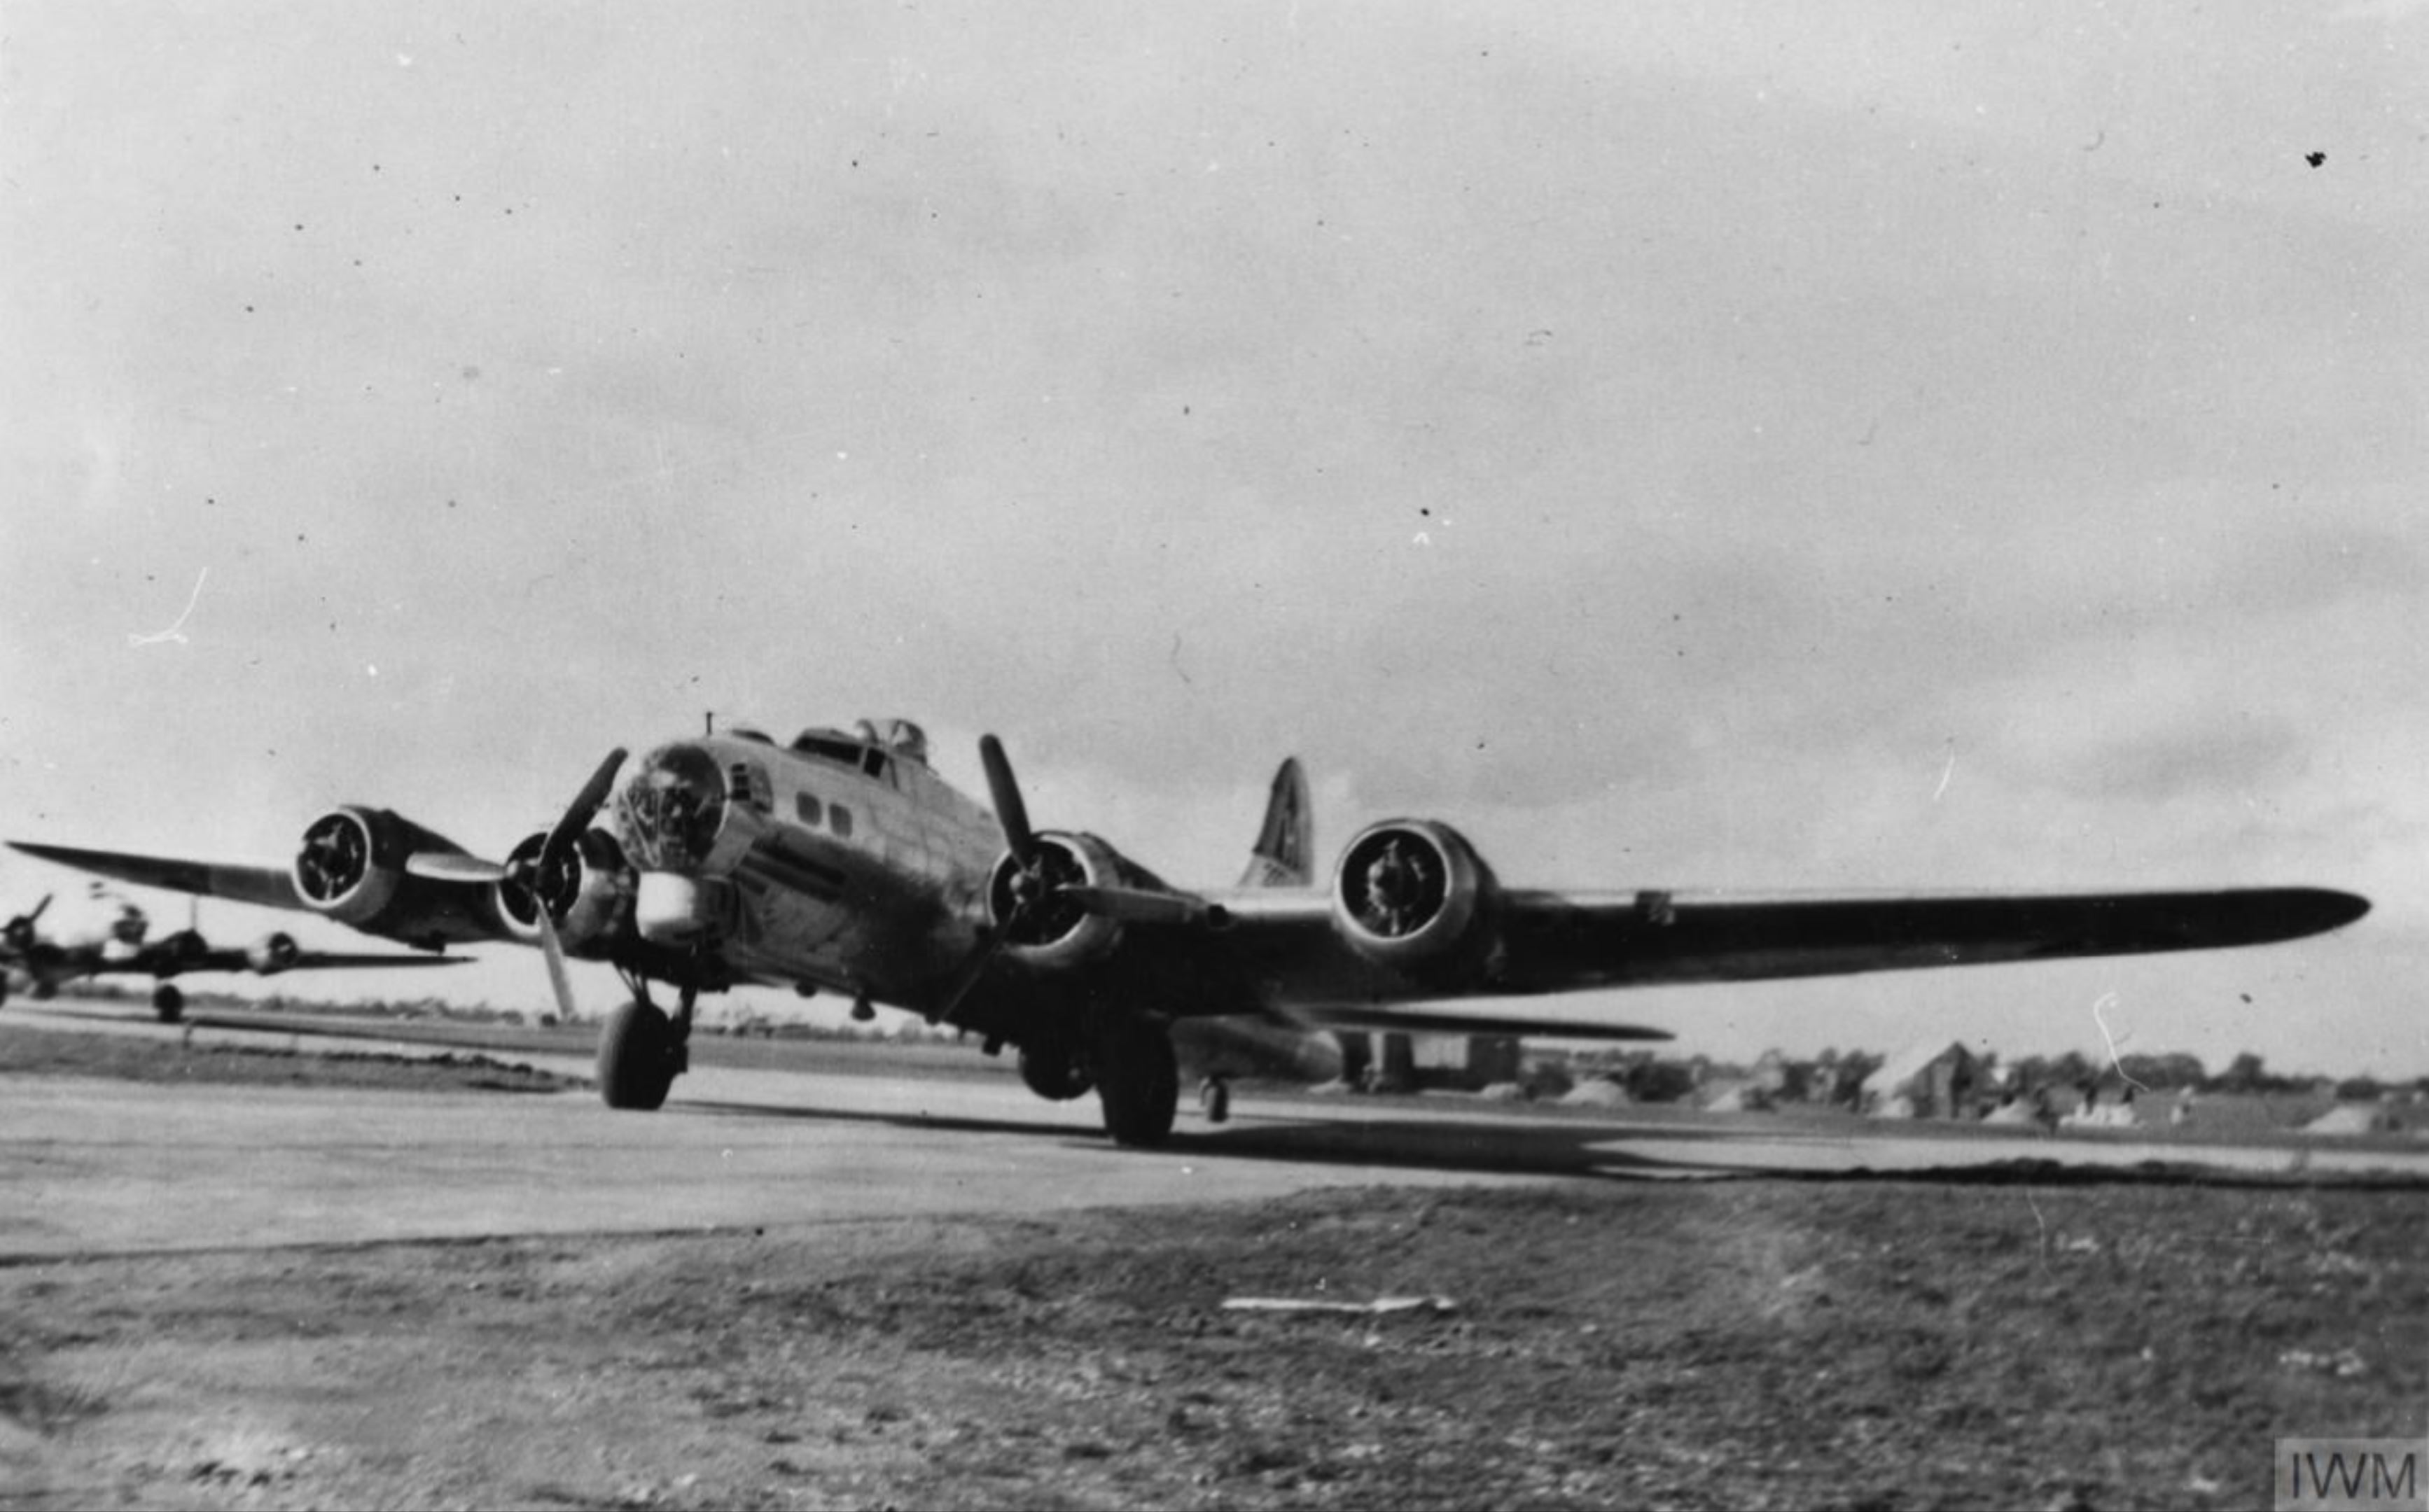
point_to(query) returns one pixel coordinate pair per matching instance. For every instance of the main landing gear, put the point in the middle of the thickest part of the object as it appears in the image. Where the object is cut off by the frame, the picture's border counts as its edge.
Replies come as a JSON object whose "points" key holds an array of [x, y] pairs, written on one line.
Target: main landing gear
{"points": [[1127, 1060], [643, 1050], [1138, 1081]]}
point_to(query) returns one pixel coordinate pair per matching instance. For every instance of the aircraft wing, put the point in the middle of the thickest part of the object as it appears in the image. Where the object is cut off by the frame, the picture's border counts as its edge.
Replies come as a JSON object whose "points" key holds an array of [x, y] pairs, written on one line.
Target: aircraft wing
{"points": [[1290, 943], [269, 886], [233, 958], [428, 911], [1420, 1018], [1646, 938]]}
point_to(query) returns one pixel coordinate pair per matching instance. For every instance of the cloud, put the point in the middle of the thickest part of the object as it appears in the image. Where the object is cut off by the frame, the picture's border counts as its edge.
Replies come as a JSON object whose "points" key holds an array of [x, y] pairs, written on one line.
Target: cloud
{"points": [[2228, 752]]}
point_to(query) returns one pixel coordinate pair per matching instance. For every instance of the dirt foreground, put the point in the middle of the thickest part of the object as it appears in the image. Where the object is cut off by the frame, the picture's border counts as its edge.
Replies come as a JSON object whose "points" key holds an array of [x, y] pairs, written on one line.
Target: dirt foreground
{"points": [[2095, 1340], [1742, 1344]]}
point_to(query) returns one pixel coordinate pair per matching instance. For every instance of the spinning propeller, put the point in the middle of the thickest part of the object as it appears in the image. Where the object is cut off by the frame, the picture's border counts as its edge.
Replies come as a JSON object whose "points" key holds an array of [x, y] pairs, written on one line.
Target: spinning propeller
{"points": [[552, 853], [530, 873], [19, 934], [1050, 888], [1029, 885]]}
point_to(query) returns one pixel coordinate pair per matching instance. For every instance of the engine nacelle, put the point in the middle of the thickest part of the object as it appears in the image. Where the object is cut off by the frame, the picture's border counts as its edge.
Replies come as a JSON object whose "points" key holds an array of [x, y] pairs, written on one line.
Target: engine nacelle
{"points": [[1056, 934], [181, 951], [271, 954], [589, 892], [1414, 895], [350, 866]]}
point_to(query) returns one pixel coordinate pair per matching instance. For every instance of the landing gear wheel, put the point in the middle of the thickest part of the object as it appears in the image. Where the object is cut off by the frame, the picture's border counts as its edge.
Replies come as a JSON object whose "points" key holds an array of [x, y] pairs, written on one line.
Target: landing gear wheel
{"points": [[638, 1056], [1051, 1070], [167, 1003], [1138, 1081], [1215, 1100]]}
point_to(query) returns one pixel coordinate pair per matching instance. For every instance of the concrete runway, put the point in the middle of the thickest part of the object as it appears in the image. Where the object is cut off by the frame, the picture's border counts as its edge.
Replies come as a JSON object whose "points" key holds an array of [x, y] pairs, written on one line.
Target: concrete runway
{"points": [[93, 1166]]}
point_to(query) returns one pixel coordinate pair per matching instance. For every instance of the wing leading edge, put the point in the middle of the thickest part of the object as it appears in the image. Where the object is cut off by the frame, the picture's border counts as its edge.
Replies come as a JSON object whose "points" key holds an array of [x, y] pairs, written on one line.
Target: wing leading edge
{"points": [[268, 886], [1550, 941], [1649, 938], [234, 958], [433, 911]]}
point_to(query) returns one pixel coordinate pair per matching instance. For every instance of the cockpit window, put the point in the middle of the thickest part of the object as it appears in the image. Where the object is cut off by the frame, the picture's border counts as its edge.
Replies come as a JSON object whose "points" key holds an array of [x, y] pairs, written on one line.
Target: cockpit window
{"points": [[887, 739], [828, 747]]}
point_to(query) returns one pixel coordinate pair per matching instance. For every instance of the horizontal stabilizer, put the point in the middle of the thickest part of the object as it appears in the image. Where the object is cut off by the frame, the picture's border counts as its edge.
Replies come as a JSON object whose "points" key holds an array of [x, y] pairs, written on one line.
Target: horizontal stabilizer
{"points": [[1417, 1020]]}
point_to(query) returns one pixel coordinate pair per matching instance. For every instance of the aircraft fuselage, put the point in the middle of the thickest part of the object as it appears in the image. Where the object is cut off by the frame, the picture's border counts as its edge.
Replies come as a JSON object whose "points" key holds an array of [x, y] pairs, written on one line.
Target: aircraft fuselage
{"points": [[832, 863]]}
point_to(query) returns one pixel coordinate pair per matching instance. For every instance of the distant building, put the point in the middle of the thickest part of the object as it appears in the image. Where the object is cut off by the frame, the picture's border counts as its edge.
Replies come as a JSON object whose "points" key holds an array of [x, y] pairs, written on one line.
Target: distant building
{"points": [[1393, 1062], [1736, 1094], [1473, 1060], [1783, 1079], [2356, 1118], [1933, 1080]]}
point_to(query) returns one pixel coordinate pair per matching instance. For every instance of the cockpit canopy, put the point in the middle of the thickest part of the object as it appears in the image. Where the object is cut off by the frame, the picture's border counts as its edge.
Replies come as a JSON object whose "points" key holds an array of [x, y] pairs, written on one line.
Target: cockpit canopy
{"points": [[900, 737]]}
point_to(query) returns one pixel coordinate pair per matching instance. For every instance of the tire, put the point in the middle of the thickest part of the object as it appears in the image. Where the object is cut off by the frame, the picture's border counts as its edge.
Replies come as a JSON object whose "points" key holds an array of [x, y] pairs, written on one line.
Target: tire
{"points": [[1138, 1081], [1050, 1069], [167, 1003], [636, 1057]]}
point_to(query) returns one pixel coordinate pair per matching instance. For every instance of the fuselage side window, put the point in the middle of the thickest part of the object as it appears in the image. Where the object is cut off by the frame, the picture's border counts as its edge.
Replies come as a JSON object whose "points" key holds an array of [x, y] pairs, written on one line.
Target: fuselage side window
{"points": [[806, 806], [840, 818]]}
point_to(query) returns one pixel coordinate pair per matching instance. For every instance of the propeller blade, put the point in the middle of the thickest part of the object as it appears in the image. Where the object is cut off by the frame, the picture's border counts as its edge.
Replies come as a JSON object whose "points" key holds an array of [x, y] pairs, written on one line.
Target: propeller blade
{"points": [[975, 969], [972, 971], [36, 916], [585, 805], [558, 982], [1010, 811], [453, 866]]}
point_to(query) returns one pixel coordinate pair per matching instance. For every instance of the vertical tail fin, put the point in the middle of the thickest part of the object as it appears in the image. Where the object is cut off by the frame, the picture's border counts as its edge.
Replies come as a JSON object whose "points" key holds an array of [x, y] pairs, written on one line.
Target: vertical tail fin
{"points": [[1285, 849]]}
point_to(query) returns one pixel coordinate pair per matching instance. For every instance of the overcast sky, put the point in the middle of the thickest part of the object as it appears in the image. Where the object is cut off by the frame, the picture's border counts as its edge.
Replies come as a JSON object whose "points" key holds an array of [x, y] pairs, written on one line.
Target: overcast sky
{"points": [[1843, 446]]}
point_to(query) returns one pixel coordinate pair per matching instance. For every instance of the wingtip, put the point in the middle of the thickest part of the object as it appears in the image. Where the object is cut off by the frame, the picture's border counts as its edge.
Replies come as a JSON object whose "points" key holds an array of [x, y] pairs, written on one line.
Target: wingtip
{"points": [[2297, 912], [2342, 907]]}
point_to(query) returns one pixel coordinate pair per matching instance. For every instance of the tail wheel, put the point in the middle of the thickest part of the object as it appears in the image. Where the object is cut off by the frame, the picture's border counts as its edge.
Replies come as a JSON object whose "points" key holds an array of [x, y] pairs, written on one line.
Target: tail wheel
{"points": [[637, 1058], [1137, 1080], [167, 1003]]}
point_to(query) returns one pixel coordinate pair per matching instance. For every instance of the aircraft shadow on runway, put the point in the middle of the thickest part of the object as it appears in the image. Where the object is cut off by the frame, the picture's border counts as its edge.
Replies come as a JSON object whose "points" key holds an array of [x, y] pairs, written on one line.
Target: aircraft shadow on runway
{"points": [[1555, 1150]]}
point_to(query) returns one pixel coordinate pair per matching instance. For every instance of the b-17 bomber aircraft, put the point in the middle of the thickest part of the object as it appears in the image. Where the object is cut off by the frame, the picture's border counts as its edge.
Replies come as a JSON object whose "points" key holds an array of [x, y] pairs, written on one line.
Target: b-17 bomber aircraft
{"points": [[48, 964], [842, 863]]}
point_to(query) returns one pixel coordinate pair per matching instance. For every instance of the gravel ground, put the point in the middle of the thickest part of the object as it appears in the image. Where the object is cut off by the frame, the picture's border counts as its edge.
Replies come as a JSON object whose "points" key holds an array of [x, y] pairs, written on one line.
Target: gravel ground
{"points": [[1746, 1345], [2101, 1342]]}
